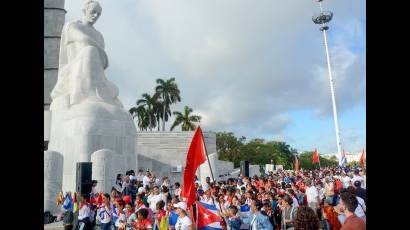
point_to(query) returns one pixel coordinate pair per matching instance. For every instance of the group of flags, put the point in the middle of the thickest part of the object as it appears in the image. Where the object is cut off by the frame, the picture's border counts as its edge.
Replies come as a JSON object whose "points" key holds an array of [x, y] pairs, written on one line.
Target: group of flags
{"points": [[342, 161]]}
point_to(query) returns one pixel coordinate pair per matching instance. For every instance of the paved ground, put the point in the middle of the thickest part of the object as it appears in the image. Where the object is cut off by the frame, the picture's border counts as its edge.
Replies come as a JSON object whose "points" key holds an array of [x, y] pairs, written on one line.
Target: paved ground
{"points": [[54, 226]]}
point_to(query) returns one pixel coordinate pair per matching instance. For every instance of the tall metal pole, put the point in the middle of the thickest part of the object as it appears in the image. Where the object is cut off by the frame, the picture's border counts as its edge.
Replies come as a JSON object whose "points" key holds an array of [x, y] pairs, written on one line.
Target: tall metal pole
{"points": [[332, 91], [323, 18]]}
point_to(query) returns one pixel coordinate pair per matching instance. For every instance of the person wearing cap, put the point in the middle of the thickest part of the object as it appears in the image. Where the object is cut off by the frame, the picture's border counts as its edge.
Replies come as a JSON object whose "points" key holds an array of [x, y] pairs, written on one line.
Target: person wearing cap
{"points": [[183, 222], [357, 177]]}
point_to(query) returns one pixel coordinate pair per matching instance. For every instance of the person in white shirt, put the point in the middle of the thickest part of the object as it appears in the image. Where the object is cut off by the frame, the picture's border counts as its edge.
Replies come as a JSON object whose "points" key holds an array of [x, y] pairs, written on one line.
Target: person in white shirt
{"points": [[178, 189], [140, 175], [154, 198], [183, 222], [361, 207], [83, 214], [312, 195], [122, 218], [146, 180], [104, 213], [207, 197], [345, 180]]}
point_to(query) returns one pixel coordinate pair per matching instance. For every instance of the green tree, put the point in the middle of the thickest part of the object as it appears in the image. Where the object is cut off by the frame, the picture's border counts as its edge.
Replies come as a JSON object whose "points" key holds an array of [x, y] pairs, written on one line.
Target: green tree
{"points": [[169, 93], [228, 147], [142, 117], [186, 119], [145, 111], [305, 161]]}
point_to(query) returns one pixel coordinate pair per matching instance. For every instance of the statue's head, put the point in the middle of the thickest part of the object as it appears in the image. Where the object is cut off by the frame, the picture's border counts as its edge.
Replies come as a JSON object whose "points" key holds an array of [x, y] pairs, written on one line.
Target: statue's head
{"points": [[92, 11]]}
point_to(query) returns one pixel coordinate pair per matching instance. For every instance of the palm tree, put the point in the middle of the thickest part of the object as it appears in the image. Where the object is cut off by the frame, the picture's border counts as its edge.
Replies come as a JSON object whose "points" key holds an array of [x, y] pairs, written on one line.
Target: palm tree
{"points": [[142, 116], [169, 93], [146, 107], [186, 119]]}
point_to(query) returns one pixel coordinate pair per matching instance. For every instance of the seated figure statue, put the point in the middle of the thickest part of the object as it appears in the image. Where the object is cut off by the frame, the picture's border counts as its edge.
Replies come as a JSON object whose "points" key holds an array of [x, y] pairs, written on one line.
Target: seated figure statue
{"points": [[86, 114], [82, 63]]}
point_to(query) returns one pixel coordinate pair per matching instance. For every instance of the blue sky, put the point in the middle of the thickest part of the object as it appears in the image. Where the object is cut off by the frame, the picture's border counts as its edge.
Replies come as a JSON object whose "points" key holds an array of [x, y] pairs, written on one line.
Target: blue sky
{"points": [[256, 68]]}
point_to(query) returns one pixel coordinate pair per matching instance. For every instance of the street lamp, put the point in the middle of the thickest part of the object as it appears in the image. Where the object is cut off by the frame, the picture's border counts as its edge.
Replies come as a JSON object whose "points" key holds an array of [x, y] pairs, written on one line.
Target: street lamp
{"points": [[323, 18]]}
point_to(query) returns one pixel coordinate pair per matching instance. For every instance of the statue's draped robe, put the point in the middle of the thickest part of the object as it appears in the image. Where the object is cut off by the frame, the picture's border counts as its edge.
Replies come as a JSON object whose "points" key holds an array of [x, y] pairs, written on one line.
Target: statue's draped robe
{"points": [[81, 69]]}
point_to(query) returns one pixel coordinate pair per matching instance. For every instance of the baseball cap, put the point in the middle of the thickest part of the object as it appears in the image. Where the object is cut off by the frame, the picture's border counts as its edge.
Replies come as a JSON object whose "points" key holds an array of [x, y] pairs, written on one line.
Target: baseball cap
{"points": [[181, 205]]}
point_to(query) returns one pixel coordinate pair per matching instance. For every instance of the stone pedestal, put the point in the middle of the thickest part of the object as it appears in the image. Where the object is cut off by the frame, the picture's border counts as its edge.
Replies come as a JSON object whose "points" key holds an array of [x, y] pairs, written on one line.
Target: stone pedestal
{"points": [[102, 169], [88, 127], [53, 177]]}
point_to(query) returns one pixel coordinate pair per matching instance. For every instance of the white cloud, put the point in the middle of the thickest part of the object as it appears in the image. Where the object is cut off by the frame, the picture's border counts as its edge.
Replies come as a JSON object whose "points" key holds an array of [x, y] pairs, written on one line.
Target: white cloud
{"points": [[243, 65]]}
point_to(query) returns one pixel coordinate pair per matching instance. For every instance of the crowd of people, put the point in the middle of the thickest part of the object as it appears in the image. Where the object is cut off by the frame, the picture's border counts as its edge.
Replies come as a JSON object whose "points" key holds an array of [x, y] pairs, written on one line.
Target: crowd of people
{"points": [[327, 199]]}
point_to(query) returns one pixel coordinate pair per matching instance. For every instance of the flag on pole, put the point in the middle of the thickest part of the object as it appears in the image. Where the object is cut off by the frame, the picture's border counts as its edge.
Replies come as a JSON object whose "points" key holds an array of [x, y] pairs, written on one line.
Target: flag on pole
{"points": [[208, 218], [195, 157], [296, 164], [362, 159], [343, 160], [68, 203], [315, 159]]}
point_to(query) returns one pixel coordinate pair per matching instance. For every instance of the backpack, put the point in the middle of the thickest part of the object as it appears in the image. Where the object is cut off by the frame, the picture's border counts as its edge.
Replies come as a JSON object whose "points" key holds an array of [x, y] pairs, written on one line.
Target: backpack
{"points": [[48, 217]]}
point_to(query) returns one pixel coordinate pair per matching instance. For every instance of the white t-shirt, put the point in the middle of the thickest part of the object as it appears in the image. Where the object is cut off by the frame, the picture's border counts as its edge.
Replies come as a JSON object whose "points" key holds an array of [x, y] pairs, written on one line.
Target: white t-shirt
{"points": [[145, 181], [358, 178], [140, 177], [359, 210], [183, 223], [84, 212], [312, 194], [154, 199], [104, 215], [295, 202], [345, 180]]}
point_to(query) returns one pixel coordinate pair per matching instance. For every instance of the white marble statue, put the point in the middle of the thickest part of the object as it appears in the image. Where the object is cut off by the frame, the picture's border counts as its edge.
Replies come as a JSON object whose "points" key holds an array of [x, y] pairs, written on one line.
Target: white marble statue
{"points": [[82, 63], [86, 114]]}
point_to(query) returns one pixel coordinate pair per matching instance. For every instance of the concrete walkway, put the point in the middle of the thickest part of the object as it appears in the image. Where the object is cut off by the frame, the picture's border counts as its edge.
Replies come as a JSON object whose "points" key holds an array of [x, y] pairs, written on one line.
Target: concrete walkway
{"points": [[54, 226]]}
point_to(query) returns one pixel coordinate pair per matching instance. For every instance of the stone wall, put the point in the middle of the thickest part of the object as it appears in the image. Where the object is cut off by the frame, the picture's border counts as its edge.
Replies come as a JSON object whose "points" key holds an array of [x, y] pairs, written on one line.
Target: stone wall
{"points": [[54, 16], [163, 151]]}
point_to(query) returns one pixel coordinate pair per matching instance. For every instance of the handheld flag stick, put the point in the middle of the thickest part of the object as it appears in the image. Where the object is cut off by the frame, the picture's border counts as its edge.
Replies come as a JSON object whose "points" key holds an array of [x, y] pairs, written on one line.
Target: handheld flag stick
{"points": [[212, 174]]}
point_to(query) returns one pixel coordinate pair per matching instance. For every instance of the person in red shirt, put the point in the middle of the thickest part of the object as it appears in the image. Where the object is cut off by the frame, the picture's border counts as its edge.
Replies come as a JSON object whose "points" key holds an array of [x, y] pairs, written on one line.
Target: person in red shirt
{"points": [[142, 222], [348, 204]]}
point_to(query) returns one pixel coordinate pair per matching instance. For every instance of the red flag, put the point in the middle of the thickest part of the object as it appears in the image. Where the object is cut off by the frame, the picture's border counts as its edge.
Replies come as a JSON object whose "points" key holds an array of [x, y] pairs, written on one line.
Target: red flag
{"points": [[99, 199], [205, 216], [296, 164], [195, 157], [362, 157], [315, 159]]}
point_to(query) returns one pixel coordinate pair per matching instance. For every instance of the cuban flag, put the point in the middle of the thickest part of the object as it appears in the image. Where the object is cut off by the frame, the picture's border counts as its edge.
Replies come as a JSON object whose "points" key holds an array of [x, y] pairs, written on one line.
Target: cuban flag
{"points": [[68, 203], [343, 160], [245, 212], [208, 219]]}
